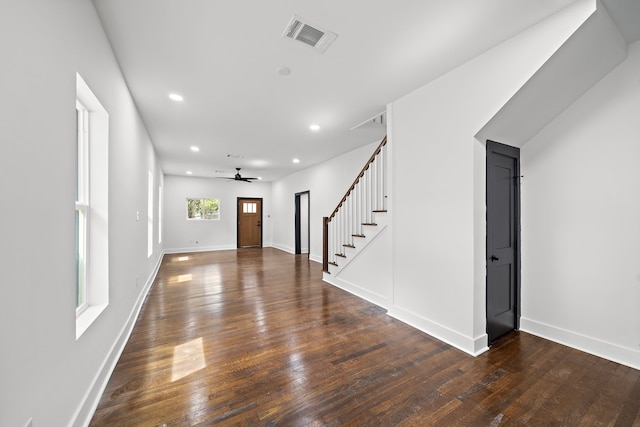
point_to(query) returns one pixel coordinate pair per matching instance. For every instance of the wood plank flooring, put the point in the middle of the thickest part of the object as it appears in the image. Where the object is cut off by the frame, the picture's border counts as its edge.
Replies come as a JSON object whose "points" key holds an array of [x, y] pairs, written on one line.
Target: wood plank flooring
{"points": [[254, 337]]}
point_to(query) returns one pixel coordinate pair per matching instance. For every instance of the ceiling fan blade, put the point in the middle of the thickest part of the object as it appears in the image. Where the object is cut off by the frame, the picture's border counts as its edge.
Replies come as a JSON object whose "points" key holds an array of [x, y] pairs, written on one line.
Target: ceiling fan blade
{"points": [[237, 177]]}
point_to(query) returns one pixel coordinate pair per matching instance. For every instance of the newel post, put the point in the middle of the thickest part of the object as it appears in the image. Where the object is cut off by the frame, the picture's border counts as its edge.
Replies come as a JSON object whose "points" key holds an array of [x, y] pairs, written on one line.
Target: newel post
{"points": [[325, 243]]}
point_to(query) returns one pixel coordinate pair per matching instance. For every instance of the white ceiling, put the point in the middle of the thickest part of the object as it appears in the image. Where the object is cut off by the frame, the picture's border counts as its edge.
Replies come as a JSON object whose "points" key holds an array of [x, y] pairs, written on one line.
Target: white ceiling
{"points": [[223, 56]]}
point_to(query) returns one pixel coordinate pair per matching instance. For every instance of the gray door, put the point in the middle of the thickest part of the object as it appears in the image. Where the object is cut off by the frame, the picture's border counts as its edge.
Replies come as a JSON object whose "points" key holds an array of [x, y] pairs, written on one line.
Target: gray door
{"points": [[503, 239]]}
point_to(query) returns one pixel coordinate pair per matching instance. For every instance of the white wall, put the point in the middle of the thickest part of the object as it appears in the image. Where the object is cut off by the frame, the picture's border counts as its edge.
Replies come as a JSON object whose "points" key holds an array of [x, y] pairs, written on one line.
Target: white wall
{"points": [[181, 234], [438, 174], [581, 221], [327, 184], [47, 374]]}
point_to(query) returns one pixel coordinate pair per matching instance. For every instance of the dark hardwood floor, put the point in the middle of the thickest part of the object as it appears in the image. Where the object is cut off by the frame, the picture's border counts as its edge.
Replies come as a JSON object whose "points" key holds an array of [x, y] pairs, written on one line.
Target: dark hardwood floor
{"points": [[254, 337]]}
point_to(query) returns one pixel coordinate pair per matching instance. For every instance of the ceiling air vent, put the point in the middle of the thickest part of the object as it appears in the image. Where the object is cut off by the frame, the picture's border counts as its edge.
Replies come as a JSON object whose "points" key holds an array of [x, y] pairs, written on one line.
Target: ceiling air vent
{"points": [[309, 34]]}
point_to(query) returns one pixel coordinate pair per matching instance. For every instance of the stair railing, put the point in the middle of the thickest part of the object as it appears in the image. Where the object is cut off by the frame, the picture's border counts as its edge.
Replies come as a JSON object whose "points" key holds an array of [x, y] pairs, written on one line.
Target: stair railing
{"points": [[367, 195]]}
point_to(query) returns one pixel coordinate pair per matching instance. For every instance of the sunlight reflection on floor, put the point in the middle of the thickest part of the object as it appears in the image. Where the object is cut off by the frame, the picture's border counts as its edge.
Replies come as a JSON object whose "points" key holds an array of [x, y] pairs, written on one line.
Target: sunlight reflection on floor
{"points": [[187, 359], [184, 278]]}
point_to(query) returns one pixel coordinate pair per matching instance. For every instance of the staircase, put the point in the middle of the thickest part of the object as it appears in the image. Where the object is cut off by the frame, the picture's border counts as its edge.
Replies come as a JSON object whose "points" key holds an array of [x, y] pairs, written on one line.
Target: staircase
{"points": [[359, 217]]}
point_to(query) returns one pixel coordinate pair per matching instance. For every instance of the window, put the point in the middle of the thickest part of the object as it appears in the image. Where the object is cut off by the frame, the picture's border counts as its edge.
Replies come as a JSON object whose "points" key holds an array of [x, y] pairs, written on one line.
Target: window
{"points": [[150, 215], [249, 207], [82, 204], [206, 209], [91, 207]]}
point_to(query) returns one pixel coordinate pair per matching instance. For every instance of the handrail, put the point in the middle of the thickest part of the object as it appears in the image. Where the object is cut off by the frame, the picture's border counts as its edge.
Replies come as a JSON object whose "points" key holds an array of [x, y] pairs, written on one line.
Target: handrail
{"points": [[360, 175], [364, 197]]}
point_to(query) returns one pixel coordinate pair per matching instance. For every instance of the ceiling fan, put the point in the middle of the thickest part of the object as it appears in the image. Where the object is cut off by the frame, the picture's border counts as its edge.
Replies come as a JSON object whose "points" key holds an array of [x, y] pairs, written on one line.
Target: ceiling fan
{"points": [[239, 177]]}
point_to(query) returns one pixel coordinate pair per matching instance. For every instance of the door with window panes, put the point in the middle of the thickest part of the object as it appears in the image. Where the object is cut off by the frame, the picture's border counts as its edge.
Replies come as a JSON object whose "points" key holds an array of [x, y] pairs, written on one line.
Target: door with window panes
{"points": [[249, 222]]}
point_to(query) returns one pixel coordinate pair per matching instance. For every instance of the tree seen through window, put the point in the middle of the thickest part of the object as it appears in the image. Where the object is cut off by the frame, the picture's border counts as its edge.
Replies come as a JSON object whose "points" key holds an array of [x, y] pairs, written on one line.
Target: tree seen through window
{"points": [[203, 209]]}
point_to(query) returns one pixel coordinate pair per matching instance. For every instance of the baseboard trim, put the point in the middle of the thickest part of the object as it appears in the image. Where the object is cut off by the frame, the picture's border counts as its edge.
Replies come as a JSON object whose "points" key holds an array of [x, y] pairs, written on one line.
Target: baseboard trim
{"points": [[292, 251], [284, 248], [471, 346], [623, 355], [89, 404], [358, 291], [199, 249]]}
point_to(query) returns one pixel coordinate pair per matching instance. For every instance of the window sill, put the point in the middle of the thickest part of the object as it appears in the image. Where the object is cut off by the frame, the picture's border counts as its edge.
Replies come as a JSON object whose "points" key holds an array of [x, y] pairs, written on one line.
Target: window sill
{"points": [[87, 317]]}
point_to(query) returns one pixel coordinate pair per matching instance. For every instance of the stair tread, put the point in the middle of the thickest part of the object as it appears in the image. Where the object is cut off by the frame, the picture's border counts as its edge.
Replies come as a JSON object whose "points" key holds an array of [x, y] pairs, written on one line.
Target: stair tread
{"points": [[380, 210], [358, 235], [332, 263], [369, 223], [341, 255], [349, 246]]}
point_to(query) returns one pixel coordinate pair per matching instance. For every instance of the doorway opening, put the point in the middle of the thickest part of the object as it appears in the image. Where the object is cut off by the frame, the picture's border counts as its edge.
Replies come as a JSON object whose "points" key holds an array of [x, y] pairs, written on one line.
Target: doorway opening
{"points": [[249, 214], [302, 222], [503, 239]]}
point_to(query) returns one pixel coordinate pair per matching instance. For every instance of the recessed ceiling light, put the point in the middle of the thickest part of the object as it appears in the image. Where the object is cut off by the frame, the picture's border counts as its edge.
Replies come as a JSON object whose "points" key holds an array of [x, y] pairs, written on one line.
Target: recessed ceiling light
{"points": [[176, 97], [284, 71], [189, 172], [195, 149], [296, 160], [314, 127], [260, 178]]}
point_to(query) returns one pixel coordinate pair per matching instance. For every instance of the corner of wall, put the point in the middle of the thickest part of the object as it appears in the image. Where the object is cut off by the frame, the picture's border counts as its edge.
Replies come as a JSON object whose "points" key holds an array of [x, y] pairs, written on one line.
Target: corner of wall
{"points": [[471, 346], [606, 350]]}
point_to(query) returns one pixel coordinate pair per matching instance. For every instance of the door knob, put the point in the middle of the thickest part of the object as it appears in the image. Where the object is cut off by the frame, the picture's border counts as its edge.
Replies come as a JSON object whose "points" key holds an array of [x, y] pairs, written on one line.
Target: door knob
{"points": [[494, 258]]}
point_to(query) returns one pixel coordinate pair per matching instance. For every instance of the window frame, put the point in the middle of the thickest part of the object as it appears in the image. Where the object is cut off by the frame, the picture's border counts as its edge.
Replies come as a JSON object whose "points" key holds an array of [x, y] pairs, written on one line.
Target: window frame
{"points": [[91, 208], [202, 200]]}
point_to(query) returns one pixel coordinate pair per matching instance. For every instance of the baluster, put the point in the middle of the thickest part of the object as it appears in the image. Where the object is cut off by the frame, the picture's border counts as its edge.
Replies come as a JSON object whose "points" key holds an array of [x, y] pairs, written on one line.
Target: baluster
{"points": [[338, 241], [378, 181], [363, 197], [365, 187], [375, 184], [362, 211], [372, 191], [359, 210], [337, 233], [345, 231], [331, 240], [342, 231], [351, 204], [346, 222], [384, 177], [369, 196], [352, 215]]}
